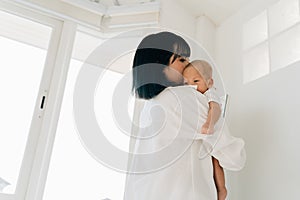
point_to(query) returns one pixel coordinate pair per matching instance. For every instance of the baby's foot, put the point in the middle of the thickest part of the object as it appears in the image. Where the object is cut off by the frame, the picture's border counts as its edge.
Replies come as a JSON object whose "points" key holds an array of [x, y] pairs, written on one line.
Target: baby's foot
{"points": [[222, 194]]}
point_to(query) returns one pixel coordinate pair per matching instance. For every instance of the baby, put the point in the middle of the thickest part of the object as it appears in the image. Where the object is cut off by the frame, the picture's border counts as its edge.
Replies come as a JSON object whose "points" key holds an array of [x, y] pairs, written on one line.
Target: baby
{"points": [[199, 73]]}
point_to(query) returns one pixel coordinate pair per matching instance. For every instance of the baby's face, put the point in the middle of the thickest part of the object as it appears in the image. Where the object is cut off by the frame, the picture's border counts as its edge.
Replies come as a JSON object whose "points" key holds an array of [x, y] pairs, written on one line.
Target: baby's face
{"points": [[193, 77]]}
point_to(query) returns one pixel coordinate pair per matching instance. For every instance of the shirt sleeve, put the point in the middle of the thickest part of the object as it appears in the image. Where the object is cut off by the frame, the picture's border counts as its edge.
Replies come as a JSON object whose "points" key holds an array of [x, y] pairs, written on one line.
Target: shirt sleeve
{"points": [[227, 149], [211, 95]]}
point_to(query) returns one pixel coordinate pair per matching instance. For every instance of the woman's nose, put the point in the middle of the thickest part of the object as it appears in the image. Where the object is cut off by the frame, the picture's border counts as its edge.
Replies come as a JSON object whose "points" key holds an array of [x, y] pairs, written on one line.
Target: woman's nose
{"points": [[187, 61]]}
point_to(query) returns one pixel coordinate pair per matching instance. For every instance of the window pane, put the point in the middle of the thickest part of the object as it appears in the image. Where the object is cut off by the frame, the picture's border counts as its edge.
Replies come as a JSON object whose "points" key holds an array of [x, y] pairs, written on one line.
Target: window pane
{"points": [[285, 48], [23, 49], [73, 172], [255, 31], [283, 15], [256, 63]]}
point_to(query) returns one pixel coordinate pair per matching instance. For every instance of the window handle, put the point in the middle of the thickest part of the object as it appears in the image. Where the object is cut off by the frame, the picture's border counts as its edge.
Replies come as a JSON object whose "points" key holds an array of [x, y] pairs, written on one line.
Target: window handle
{"points": [[43, 100]]}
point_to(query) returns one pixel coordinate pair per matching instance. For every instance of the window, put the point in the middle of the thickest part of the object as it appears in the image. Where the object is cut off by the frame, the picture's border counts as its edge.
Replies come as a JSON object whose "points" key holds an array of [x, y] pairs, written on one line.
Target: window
{"points": [[23, 49], [73, 172], [255, 31], [271, 40], [283, 15], [34, 68], [256, 62], [285, 48], [255, 46]]}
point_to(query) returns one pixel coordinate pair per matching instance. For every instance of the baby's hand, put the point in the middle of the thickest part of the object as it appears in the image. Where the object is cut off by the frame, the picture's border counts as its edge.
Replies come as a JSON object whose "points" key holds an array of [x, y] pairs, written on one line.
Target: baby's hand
{"points": [[207, 129]]}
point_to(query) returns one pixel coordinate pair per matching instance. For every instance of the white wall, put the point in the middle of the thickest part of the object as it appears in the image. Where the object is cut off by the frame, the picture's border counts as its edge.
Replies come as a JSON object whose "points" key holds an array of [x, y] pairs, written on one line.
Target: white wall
{"points": [[206, 34], [174, 17], [264, 112], [201, 29]]}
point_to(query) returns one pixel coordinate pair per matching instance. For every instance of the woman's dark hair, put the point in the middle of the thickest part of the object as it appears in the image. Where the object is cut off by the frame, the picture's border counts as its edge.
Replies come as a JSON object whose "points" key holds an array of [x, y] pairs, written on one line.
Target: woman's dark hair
{"points": [[151, 58]]}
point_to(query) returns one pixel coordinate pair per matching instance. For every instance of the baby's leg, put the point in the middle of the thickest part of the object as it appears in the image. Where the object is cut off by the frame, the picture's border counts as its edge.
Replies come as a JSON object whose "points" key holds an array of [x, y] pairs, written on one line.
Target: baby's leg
{"points": [[219, 178]]}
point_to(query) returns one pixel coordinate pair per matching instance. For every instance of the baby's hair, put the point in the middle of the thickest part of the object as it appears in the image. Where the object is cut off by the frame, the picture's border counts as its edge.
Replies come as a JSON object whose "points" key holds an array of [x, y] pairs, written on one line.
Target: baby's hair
{"points": [[203, 67]]}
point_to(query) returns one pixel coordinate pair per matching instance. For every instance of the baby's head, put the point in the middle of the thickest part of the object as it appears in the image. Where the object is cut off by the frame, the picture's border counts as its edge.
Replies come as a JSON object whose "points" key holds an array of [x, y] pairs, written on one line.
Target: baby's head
{"points": [[199, 72]]}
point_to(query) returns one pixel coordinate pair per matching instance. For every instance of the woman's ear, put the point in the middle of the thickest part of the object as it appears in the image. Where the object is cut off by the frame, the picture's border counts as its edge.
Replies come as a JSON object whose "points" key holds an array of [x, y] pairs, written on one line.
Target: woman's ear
{"points": [[172, 59]]}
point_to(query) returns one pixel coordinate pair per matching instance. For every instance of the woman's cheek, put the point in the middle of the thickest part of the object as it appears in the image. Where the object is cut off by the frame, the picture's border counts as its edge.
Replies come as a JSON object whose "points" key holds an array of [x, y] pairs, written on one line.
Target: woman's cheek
{"points": [[173, 75]]}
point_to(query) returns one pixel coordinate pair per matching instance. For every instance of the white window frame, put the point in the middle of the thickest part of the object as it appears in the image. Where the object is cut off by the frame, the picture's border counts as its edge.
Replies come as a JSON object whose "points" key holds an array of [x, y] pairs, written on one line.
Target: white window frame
{"points": [[269, 41], [33, 172]]}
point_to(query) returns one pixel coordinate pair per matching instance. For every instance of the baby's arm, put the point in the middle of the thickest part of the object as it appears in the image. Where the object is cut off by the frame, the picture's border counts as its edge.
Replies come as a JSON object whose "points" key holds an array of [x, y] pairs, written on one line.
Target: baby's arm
{"points": [[213, 116]]}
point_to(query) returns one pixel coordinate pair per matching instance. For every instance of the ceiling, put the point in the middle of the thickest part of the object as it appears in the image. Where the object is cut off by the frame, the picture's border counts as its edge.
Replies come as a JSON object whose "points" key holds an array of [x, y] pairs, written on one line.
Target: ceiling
{"points": [[216, 10], [108, 3]]}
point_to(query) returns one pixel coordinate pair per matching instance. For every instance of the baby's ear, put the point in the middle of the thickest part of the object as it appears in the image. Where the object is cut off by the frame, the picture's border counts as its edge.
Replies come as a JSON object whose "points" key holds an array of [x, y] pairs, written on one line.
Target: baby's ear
{"points": [[210, 82]]}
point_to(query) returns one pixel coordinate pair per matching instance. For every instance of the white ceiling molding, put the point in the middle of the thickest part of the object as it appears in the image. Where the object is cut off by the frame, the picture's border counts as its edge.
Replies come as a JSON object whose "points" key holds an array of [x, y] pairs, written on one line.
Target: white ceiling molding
{"points": [[122, 16], [93, 7], [151, 7], [128, 21], [122, 2]]}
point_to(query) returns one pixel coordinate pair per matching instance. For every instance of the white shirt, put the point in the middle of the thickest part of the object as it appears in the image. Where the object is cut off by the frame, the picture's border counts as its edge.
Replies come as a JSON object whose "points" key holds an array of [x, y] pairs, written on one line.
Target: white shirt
{"points": [[173, 160], [211, 95]]}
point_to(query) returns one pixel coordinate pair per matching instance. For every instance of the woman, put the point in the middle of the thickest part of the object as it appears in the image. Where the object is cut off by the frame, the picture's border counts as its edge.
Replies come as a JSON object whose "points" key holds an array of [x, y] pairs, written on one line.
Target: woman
{"points": [[165, 164]]}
